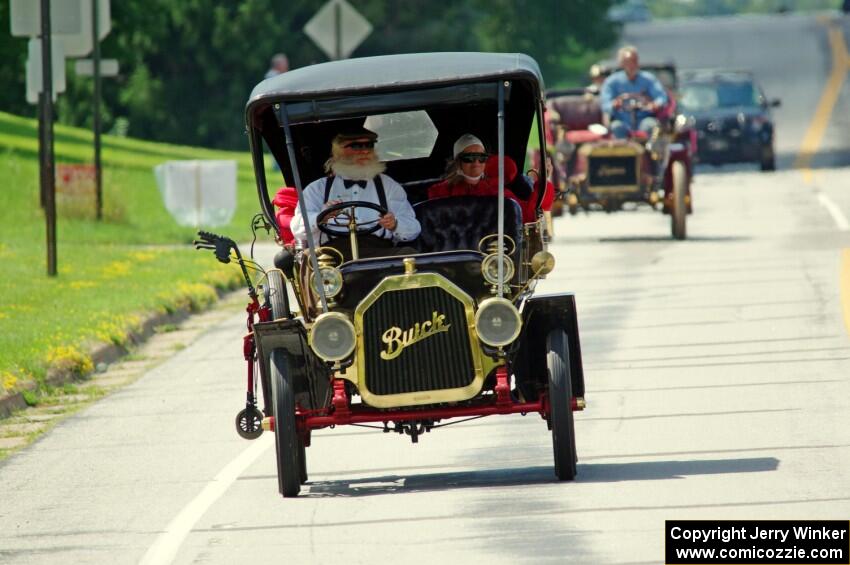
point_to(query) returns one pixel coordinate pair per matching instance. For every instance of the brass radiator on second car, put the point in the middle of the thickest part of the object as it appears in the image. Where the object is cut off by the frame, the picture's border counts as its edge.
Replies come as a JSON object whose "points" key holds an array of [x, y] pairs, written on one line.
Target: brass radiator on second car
{"points": [[614, 168]]}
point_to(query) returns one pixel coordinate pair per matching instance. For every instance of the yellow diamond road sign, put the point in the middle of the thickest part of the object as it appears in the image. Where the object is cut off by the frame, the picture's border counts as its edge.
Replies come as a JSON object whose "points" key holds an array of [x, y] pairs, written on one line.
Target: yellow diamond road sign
{"points": [[337, 28]]}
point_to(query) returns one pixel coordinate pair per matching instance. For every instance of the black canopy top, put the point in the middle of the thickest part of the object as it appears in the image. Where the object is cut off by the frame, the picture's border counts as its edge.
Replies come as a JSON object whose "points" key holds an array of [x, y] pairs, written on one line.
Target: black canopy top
{"points": [[394, 72], [457, 90]]}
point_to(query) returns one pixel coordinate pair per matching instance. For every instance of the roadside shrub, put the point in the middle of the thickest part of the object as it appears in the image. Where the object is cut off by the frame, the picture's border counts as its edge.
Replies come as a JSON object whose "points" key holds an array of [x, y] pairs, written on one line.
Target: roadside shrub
{"points": [[70, 359]]}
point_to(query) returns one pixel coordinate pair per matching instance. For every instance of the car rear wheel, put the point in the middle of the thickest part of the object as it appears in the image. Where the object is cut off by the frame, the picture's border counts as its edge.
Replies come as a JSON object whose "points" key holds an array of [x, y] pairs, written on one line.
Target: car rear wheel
{"points": [[680, 189], [280, 309], [560, 405], [768, 159], [277, 295], [279, 302], [302, 460], [287, 444]]}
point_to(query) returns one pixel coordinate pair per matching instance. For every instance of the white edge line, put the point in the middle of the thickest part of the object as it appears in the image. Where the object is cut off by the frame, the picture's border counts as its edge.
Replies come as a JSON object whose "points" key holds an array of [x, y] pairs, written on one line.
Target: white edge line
{"points": [[834, 211], [165, 548]]}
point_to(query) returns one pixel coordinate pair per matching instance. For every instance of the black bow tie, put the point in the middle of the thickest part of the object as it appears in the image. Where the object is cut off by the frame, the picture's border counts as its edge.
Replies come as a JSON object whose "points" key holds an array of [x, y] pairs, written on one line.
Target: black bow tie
{"points": [[349, 183]]}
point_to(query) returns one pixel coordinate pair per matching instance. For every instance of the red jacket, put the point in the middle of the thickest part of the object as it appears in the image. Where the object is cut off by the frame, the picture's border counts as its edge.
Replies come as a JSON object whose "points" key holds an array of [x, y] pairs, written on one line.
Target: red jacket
{"points": [[287, 200], [548, 195], [489, 186], [485, 187]]}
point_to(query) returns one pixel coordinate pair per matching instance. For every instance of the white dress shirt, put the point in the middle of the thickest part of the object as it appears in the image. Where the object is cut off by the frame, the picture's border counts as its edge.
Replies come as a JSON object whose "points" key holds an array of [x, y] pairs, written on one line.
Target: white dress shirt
{"points": [[407, 228]]}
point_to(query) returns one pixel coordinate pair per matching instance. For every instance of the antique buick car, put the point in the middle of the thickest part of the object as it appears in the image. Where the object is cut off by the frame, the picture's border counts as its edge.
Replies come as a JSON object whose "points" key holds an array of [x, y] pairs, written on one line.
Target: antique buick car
{"points": [[408, 343]]}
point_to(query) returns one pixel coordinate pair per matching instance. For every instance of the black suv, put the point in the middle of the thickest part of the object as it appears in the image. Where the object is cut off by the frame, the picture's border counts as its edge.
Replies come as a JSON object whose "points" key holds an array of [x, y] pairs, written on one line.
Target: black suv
{"points": [[732, 117]]}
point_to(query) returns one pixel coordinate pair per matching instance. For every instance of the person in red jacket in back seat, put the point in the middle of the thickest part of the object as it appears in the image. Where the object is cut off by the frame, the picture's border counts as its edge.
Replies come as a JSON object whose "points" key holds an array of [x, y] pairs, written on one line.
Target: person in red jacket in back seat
{"points": [[286, 200], [474, 172]]}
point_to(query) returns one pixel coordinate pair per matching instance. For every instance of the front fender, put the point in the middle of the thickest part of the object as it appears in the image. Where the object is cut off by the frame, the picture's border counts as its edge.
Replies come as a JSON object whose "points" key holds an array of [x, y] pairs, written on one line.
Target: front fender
{"points": [[541, 314], [678, 152], [311, 375]]}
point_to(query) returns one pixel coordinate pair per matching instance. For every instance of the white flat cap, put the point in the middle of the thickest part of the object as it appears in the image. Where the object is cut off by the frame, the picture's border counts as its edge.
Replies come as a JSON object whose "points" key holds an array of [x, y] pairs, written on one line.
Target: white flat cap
{"points": [[465, 141]]}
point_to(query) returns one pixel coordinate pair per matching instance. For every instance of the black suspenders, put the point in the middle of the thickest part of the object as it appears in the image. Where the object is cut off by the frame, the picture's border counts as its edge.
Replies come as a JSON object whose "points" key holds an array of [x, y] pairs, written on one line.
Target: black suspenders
{"points": [[328, 182], [382, 197]]}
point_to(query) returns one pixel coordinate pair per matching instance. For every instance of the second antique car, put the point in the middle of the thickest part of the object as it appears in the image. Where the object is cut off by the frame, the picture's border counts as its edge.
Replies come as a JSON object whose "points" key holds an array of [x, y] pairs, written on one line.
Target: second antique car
{"points": [[406, 344], [601, 172]]}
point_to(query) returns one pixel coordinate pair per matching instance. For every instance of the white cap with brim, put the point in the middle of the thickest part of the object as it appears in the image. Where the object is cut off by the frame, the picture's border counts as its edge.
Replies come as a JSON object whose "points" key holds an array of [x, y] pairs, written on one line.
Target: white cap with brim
{"points": [[465, 141]]}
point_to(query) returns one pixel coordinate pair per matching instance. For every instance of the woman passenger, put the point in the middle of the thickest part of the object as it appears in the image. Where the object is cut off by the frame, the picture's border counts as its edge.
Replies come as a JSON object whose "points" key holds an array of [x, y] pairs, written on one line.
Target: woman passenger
{"points": [[474, 172]]}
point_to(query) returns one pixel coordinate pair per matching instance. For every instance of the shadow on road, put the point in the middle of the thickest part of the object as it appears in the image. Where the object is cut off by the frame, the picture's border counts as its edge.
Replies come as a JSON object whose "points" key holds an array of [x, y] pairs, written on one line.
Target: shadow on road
{"points": [[587, 473], [667, 239], [661, 470]]}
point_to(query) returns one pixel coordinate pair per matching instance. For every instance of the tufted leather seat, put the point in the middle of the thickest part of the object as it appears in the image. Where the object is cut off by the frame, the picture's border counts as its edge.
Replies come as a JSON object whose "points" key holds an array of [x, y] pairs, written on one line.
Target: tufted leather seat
{"points": [[459, 222]]}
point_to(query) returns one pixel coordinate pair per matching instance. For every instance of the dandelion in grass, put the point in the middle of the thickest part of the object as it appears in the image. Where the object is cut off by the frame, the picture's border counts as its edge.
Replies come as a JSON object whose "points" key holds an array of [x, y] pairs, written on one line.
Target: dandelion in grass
{"points": [[195, 296], [117, 269], [69, 358], [112, 331], [143, 256], [133, 321], [9, 380]]}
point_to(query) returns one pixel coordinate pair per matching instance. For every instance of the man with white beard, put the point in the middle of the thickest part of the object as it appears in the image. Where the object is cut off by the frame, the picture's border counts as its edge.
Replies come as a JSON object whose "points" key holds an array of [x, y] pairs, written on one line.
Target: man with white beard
{"points": [[355, 173]]}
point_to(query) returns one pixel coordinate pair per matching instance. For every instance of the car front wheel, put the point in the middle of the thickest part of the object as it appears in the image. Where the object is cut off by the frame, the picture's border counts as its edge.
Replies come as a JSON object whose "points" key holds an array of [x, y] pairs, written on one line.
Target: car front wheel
{"points": [[560, 405], [680, 190], [768, 159], [287, 444]]}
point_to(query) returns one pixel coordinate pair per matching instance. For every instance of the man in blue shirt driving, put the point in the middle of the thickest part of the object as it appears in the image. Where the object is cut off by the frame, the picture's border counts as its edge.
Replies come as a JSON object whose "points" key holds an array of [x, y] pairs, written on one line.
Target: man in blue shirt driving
{"points": [[629, 91]]}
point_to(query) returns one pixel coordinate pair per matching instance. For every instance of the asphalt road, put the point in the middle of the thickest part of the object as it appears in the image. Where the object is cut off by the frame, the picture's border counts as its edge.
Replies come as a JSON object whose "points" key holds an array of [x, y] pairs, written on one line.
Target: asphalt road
{"points": [[717, 375]]}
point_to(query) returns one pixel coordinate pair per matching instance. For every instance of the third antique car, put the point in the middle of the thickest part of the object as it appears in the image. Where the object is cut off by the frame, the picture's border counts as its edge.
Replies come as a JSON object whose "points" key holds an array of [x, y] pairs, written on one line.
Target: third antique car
{"points": [[447, 330]]}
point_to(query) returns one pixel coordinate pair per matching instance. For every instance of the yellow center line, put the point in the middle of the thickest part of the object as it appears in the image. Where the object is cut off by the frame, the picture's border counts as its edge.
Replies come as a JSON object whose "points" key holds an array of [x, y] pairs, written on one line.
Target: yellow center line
{"points": [[814, 135], [844, 287]]}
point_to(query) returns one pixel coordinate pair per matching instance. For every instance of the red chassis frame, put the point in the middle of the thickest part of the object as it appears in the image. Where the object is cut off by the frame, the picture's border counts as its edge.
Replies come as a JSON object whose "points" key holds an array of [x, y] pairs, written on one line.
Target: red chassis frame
{"points": [[341, 412]]}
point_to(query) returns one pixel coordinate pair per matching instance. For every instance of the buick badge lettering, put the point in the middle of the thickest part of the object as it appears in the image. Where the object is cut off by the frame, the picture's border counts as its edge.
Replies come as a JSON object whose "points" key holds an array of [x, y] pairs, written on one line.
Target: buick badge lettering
{"points": [[396, 339], [610, 171]]}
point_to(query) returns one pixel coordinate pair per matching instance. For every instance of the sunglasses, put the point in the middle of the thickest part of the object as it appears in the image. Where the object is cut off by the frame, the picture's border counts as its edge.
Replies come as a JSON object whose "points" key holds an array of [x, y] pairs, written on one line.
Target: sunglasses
{"points": [[473, 157], [360, 145]]}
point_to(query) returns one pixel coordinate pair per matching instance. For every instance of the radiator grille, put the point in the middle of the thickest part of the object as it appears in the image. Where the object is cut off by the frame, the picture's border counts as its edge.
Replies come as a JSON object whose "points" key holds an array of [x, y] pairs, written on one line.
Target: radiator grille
{"points": [[440, 361], [612, 171]]}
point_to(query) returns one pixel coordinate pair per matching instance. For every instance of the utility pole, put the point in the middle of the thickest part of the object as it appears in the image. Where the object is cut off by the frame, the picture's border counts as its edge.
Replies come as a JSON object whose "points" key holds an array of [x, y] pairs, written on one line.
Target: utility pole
{"points": [[337, 32], [48, 178], [98, 177]]}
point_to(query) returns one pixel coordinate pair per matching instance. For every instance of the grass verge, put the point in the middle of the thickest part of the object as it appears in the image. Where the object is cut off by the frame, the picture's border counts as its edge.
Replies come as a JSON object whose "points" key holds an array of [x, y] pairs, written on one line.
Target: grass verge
{"points": [[113, 273]]}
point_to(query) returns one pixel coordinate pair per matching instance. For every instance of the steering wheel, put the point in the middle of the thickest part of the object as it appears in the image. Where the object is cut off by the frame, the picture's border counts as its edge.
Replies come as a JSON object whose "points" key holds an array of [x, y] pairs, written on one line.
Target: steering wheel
{"points": [[324, 223], [633, 101]]}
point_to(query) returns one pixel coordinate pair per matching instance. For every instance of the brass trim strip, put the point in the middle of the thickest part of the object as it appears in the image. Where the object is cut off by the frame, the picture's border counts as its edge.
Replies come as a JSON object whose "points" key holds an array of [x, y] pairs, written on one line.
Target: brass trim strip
{"points": [[620, 188]]}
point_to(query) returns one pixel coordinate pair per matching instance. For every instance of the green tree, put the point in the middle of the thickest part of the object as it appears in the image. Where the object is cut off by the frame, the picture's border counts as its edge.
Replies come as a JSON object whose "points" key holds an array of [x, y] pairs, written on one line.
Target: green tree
{"points": [[13, 57], [188, 66], [563, 37]]}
